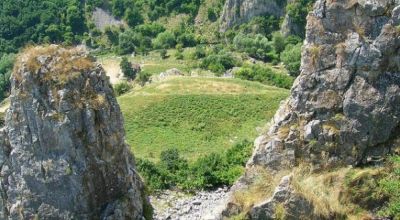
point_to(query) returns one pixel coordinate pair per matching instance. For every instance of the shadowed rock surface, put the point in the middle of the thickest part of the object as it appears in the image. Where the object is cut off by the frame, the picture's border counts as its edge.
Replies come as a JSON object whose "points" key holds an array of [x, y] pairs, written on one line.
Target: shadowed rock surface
{"points": [[62, 150]]}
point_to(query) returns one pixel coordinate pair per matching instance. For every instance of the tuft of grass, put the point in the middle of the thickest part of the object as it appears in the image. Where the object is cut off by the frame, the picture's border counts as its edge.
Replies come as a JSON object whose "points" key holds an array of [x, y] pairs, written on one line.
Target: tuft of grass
{"points": [[69, 63], [261, 188]]}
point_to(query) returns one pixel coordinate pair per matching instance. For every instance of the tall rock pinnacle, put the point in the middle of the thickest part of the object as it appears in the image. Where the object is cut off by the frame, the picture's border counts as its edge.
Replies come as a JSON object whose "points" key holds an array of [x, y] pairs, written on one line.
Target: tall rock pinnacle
{"points": [[62, 151]]}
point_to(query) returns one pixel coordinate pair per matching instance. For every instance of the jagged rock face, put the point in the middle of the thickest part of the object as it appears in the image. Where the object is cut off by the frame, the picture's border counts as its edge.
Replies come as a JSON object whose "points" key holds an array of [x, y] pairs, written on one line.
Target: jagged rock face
{"points": [[62, 151], [344, 108], [240, 11]]}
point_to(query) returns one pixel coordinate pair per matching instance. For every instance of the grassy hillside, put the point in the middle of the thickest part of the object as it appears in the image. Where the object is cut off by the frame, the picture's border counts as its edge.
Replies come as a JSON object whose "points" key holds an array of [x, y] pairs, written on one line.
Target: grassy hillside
{"points": [[197, 116]]}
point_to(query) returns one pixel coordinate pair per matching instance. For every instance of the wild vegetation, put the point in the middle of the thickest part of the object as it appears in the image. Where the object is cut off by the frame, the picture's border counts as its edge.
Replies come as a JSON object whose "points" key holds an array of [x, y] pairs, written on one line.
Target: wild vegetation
{"points": [[193, 114]]}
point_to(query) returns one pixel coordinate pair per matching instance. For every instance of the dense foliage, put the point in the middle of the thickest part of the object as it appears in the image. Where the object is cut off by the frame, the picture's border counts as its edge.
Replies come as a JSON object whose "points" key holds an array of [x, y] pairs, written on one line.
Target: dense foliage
{"points": [[127, 69], [291, 57], [6, 66], [39, 21], [219, 63], [298, 10], [216, 169], [265, 75], [122, 88]]}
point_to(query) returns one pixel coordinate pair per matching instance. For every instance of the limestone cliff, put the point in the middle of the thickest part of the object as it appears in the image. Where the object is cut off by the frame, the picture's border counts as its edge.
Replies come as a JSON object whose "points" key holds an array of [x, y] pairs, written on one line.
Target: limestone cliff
{"points": [[344, 108], [240, 11], [62, 150], [236, 12]]}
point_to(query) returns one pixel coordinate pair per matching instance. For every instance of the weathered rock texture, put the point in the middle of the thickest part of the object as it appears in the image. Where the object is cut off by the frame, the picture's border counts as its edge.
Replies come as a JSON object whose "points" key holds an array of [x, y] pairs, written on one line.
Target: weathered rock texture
{"points": [[236, 12], [62, 151], [240, 11], [344, 108]]}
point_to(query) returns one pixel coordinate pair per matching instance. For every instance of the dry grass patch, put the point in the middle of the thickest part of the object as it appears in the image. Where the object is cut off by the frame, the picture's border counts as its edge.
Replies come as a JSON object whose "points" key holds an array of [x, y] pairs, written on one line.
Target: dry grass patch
{"points": [[259, 190], [64, 63]]}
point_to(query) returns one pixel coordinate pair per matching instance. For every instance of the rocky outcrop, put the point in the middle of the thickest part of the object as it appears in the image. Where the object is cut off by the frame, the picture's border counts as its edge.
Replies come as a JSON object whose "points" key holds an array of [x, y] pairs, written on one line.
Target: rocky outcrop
{"points": [[344, 106], [240, 11], [62, 150], [236, 12], [103, 19]]}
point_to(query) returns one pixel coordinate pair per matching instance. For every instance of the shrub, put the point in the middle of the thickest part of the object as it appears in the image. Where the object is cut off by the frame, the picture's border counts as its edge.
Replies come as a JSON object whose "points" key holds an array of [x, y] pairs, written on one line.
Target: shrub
{"points": [[6, 65], [291, 58], [257, 46], [199, 52], [121, 88], [211, 14], [278, 42], [206, 172], [154, 176], [164, 40], [127, 69], [143, 78], [265, 75], [219, 63]]}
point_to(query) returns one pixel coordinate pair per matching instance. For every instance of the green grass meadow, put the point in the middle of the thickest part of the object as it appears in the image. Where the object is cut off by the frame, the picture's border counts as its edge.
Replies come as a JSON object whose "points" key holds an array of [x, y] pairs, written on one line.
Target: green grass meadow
{"points": [[198, 116]]}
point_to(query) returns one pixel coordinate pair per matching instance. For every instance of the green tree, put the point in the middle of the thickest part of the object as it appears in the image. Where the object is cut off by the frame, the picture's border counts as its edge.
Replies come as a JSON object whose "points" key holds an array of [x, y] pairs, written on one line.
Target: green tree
{"points": [[133, 17], [75, 19], [127, 69], [279, 42], [291, 58]]}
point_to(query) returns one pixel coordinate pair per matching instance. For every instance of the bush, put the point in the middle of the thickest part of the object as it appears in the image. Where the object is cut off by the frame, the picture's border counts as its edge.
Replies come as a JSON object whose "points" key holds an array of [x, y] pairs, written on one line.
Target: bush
{"points": [[121, 88], [257, 46], [219, 63], [164, 40], [291, 58], [210, 171], [143, 78], [211, 14], [265, 75], [6, 65], [127, 69], [199, 52]]}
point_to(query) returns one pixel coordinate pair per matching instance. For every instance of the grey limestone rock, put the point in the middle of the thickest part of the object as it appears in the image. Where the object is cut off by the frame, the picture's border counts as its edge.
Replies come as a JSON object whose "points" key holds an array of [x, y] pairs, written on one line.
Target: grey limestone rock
{"points": [[62, 150], [344, 106]]}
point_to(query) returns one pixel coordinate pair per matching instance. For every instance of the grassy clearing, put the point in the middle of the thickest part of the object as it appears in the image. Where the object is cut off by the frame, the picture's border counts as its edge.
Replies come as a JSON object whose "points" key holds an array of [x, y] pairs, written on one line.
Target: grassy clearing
{"points": [[197, 116]]}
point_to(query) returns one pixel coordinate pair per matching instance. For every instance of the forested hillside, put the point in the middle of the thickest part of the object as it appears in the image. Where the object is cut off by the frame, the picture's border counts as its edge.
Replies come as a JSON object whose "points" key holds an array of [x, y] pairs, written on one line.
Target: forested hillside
{"points": [[149, 25]]}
